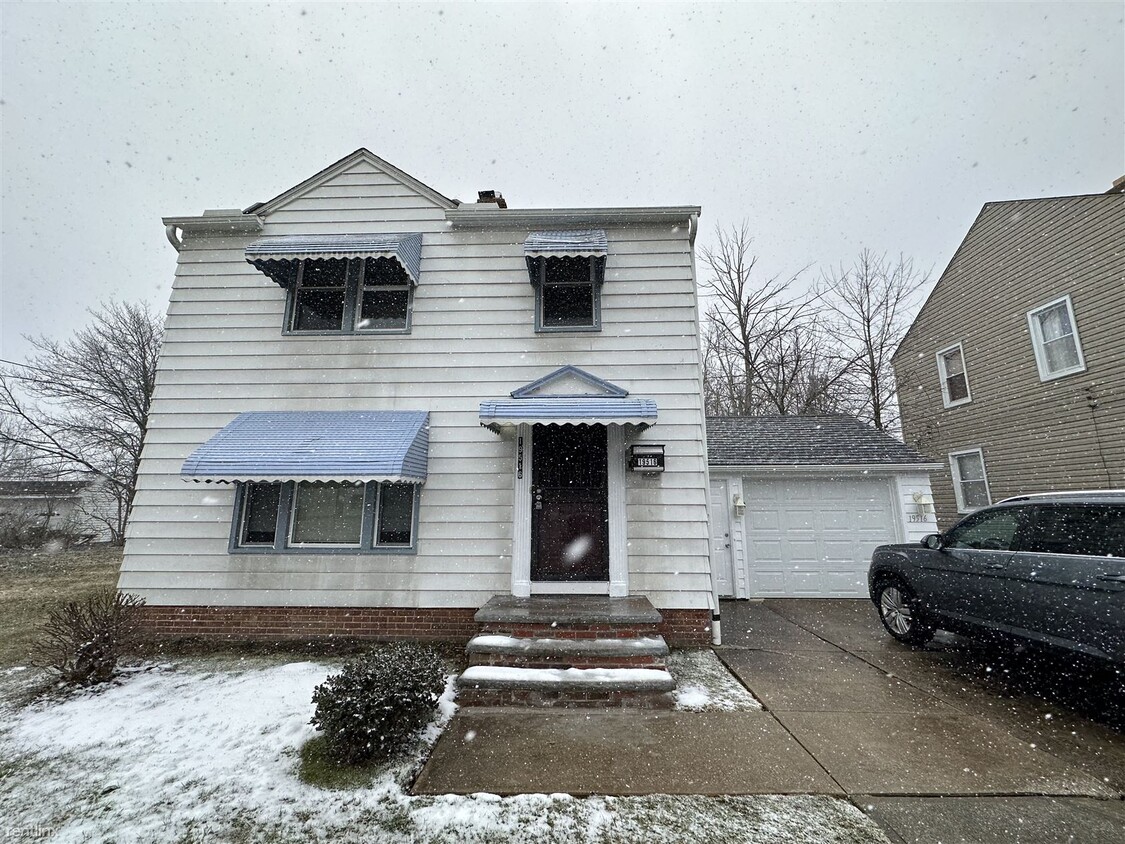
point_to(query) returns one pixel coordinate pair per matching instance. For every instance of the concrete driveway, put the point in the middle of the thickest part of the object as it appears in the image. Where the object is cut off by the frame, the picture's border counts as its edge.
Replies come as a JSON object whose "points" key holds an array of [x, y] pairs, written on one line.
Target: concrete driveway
{"points": [[1019, 746]]}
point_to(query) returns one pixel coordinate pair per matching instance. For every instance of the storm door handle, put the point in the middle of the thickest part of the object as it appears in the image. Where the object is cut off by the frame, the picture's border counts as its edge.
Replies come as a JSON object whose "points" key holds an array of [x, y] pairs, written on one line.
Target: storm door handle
{"points": [[1114, 578]]}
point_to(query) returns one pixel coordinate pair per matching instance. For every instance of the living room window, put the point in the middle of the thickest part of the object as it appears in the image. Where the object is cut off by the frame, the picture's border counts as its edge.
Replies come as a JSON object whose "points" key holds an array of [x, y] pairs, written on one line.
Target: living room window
{"points": [[337, 296], [1054, 337], [970, 482], [325, 517], [954, 378]]}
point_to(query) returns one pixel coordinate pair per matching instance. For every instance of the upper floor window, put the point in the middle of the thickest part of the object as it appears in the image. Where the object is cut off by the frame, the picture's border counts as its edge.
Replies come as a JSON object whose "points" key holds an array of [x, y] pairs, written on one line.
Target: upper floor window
{"points": [[342, 283], [954, 378], [336, 295], [1054, 336], [568, 295], [970, 482], [567, 269]]}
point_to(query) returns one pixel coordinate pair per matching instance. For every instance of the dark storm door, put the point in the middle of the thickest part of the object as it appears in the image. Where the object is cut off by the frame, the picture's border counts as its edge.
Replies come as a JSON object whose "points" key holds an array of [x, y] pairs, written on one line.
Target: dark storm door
{"points": [[569, 504]]}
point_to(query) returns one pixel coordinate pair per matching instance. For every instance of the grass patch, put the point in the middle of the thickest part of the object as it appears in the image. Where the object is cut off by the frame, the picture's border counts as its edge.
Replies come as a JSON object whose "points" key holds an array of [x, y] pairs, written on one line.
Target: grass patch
{"points": [[31, 582], [319, 769]]}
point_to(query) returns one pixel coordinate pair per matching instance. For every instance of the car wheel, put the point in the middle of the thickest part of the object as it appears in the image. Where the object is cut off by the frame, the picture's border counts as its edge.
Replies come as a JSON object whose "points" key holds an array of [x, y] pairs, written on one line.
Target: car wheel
{"points": [[900, 614]]}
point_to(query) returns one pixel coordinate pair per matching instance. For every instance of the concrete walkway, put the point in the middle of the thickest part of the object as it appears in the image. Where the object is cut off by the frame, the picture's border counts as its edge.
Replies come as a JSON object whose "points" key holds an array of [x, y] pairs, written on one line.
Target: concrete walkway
{"points": [[848, 711]]}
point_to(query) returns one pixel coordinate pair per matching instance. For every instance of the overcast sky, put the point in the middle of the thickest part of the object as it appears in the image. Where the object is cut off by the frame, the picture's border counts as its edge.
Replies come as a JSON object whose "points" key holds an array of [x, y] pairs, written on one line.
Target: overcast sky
{"points": [[829, 126]]}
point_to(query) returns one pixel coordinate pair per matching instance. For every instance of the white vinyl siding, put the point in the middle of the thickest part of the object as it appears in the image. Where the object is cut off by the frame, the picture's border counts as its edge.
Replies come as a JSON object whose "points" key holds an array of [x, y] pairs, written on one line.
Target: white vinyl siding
{"points": [[472, 338], [954, 376], [970, 480], [1054, 336]]}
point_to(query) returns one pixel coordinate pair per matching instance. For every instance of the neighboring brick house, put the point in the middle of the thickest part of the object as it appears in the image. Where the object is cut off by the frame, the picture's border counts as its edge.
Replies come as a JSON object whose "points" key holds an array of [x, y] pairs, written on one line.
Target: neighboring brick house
{"points": [[377, 408], [1013, 374]]}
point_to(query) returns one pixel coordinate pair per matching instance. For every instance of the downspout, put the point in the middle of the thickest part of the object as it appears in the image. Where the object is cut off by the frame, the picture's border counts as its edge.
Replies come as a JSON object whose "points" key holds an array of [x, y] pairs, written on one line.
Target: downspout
{"points": [[177, 241], [716, 621]]}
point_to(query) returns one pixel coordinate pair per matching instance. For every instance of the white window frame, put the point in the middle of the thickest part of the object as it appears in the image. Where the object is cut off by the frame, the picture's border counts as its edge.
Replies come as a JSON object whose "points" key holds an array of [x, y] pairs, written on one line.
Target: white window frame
{"points": [[944, 376], [1038, 343], [955, 472]]}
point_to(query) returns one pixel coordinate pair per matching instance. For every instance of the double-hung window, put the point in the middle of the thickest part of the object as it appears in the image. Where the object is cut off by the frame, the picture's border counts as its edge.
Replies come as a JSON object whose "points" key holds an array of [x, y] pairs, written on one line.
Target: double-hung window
{"points": [[351, 296], [567, 297], [336, 517], [1054, 337], [954, 378], [970, 482]]}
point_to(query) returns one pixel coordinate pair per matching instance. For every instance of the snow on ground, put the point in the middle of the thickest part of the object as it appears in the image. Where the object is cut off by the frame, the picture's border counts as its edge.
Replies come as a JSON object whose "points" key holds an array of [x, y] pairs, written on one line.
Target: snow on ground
{"points": [[704, 684], [207, 752]]}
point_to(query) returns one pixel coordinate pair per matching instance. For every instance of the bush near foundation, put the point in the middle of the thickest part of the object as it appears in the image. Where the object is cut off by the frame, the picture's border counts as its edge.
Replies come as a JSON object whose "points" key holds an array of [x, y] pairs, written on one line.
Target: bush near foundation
{"points": [[378, 703], [82, 641]]}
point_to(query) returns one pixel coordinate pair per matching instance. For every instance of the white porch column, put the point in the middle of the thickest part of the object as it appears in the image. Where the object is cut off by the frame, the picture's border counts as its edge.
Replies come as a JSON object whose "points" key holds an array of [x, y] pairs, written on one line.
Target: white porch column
{"points": [[618, 522], [521, 515]]}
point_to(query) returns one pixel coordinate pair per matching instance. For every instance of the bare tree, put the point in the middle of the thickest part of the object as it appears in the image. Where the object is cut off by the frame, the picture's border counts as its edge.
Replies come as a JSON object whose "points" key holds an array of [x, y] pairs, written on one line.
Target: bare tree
{"points": [[868, 309], [82, 404], [764, 350]]}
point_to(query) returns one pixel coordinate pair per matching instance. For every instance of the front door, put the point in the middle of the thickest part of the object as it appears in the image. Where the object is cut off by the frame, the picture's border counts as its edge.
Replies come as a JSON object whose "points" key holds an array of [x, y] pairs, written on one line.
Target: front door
{"points": [[569, 504]]}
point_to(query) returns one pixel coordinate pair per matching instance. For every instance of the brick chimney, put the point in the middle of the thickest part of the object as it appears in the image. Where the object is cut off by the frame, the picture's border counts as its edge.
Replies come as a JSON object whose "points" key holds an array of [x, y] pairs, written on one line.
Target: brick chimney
{"points": [[1118, 186], [485, 197]]}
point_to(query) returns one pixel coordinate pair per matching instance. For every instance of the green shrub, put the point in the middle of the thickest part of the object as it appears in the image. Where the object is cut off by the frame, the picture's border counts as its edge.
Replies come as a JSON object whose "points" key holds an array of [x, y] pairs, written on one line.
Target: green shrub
{"points": [[378, 702]]}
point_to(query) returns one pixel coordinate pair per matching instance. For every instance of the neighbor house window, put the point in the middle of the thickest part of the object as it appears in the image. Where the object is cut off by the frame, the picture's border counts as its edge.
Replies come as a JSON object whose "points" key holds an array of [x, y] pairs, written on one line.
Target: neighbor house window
{"points": [[954, 378], [970, 483], [568, 294], [1054, 336], [341, 297], [313, 516]]}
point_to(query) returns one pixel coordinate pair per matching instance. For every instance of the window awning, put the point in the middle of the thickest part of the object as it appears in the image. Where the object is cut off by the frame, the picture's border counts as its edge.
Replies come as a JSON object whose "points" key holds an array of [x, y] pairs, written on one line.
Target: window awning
{"points": [[277, 257], [496, 414], [566, 244], [316, 445]]}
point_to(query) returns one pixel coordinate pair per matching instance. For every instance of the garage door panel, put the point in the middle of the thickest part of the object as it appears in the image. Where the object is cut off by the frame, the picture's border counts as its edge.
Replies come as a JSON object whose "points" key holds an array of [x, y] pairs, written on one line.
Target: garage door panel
{"points": [[814, 538]]}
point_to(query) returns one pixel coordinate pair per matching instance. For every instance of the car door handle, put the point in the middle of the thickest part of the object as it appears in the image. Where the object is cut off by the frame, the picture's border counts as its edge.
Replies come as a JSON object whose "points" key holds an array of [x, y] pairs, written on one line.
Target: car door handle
{"points": [[1115, 578], [996, 565]]}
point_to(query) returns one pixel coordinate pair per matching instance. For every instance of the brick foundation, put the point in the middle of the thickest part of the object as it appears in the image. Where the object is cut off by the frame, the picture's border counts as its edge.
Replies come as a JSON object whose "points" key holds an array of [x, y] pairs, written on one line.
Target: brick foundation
{"points": [[681, 628], [305, 623]]}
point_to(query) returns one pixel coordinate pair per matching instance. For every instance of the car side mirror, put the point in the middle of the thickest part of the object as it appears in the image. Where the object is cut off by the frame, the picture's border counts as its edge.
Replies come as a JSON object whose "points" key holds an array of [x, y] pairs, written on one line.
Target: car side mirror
{"points": [[933, 541]]}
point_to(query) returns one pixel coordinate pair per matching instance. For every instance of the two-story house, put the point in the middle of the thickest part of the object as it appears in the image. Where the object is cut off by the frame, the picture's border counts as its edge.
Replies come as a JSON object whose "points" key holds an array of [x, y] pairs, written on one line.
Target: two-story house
{"points": [[377, 408], [1013, 373]]}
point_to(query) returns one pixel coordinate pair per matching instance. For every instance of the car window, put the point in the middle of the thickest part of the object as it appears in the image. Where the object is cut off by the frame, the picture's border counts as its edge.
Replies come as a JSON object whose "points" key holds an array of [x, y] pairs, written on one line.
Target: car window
{"points": [[992, 530], [1095, 530]]}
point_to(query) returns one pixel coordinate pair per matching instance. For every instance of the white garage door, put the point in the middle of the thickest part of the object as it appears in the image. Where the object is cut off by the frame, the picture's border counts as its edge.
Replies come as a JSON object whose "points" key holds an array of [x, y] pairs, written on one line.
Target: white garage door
{"points": [[809, 538]]}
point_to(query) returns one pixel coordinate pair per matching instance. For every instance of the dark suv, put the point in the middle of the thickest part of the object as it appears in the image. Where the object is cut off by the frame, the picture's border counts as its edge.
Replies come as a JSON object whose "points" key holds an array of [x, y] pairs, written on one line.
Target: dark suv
{"points": [[1047, 568]]}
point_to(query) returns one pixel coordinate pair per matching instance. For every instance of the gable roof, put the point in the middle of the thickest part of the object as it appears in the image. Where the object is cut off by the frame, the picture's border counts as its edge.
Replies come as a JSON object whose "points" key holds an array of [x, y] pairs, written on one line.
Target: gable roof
{"points": [[348, 161], [831, 440], [1011, 207], [570, 373]]}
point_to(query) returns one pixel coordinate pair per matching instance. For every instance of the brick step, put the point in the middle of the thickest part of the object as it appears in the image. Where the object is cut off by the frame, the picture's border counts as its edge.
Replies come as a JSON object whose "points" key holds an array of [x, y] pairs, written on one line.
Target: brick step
{"points": [[551, 652], [488, 685], [569, 630]]}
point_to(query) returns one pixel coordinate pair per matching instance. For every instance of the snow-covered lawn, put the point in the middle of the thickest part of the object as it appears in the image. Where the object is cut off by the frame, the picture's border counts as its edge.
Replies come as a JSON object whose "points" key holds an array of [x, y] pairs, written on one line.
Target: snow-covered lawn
{"points": [[207, 752]]}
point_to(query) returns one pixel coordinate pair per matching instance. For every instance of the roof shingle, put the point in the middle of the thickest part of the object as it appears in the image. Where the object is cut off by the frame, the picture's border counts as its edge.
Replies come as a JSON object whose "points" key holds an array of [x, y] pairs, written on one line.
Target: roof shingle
{"points": [[831, 440]]}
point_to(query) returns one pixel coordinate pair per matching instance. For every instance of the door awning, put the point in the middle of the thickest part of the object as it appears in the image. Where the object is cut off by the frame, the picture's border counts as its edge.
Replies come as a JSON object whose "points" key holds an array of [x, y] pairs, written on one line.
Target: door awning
{"points": [[496, 414], [277, 257], [316, 445], [566, 244]]}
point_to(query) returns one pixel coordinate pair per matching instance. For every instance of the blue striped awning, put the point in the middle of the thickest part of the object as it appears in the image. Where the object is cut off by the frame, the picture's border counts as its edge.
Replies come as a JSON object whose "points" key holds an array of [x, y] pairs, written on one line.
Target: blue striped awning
{"points": [[567, 410], [316, 445], [566, 244], [276, 256]]}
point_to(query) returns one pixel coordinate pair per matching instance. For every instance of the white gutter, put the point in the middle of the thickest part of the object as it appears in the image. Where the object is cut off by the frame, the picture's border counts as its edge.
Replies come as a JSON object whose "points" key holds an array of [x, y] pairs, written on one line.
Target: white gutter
{"points": [[466, 217], [826, 468]]}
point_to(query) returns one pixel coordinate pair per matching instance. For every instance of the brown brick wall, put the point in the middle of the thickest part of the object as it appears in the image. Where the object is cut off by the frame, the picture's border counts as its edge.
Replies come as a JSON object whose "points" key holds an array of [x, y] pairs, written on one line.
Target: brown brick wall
{"points": [[276, 623], [686, 628], [681, 628]]}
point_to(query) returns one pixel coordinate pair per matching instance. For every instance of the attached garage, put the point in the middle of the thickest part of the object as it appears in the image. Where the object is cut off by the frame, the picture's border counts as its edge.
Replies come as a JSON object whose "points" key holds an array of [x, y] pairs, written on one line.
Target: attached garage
{"points": [[798, 503]]}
